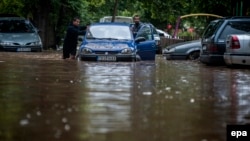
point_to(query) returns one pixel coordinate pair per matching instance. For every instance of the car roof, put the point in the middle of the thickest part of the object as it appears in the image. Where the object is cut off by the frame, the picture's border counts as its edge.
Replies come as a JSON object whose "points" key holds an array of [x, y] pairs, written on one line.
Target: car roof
{"points": [[161, 31], [236, 18], [118, 23], [12, 18], [111, 23]]}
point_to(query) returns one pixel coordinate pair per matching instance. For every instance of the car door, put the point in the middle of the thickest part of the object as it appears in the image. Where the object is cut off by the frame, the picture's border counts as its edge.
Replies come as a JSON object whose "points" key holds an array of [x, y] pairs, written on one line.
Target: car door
{"points": [[146, 49]]}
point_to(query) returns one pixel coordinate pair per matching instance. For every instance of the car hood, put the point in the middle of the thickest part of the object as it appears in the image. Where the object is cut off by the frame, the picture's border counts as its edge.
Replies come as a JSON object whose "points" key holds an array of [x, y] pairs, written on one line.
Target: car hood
{"points": [[108, 44], [19, 37]]}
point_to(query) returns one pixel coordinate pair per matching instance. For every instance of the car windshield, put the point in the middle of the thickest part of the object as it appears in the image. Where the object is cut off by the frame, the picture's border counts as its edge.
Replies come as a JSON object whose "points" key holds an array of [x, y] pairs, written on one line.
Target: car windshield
{"points": [[112, 32], [15, 26]]}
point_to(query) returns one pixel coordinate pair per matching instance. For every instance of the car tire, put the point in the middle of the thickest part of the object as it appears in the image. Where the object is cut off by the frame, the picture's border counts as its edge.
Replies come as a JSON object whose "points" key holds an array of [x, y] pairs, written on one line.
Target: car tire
{"points": [[193, 55]]}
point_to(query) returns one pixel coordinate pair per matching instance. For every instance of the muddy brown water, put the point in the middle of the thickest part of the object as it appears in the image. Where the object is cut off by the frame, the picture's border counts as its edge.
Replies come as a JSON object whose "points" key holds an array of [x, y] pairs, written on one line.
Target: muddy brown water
{"points": [[45, 98]]}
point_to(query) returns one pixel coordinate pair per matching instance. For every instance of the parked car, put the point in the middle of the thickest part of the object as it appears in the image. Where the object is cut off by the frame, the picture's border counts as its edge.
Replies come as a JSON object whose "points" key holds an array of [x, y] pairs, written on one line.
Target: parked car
{"points": [[157, 39], [189, 50], [213, 39], [122, 19], [115, 42], [18, 34], [237, 50], [163, 33]]}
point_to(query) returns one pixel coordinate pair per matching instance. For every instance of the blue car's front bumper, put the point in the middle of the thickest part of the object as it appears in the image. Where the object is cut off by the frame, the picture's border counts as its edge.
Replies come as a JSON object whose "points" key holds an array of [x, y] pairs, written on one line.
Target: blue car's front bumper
{"points": [[108, 58]]}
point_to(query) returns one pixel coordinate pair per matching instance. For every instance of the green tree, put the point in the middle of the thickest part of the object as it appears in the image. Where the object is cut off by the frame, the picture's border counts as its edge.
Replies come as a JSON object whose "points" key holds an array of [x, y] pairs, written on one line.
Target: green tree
{"points": [[53, 16]]}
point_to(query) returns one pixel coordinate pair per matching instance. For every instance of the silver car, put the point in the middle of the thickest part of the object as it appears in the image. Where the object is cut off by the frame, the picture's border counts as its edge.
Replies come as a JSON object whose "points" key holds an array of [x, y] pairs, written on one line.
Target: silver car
{"points": [[237, 50], [189, 50], [19, 35]]}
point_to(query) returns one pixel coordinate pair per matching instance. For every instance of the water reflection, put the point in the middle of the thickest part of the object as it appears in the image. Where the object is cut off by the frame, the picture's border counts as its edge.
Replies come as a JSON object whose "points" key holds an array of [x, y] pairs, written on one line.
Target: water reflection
{"points": [[39, 100], [52, 99], [109, 87]]}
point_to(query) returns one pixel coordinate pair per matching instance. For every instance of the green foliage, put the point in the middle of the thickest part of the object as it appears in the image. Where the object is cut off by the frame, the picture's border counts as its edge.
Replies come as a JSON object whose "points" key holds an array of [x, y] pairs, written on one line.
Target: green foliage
{"points": [[11, 6], [158, 12], [97, 3]]}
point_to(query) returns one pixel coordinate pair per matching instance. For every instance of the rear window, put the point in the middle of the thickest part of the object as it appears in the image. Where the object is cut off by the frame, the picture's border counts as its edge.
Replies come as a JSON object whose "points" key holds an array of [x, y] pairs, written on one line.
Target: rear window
{"points": [[235, 27], [211, 28]]}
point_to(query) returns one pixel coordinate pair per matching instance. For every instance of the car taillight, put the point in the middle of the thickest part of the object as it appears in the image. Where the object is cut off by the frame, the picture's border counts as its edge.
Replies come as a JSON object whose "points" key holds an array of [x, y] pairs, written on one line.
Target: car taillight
{"points": [[235, 44]]}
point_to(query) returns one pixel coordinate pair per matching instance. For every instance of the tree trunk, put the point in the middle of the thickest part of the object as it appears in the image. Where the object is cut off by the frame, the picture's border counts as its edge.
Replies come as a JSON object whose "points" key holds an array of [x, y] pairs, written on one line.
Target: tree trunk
{"points": [[115, 11], [44, 24]]}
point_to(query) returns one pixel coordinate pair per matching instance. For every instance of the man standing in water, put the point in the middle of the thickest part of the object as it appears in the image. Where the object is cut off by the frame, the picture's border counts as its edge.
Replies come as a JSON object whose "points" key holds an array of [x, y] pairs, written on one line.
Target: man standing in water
{"points": [[137, 24], [71, 39]]}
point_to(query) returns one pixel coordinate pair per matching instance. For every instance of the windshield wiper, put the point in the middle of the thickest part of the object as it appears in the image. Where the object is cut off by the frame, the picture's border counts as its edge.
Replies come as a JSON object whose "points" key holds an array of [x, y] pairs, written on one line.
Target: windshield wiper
{"points": [[109, 38], [102, 38], [91, 37]]}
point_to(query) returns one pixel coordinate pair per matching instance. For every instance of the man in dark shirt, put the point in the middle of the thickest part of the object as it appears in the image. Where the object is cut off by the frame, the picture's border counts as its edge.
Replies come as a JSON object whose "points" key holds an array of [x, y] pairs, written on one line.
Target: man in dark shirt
{"points": [[137, 24], [71, 39]]}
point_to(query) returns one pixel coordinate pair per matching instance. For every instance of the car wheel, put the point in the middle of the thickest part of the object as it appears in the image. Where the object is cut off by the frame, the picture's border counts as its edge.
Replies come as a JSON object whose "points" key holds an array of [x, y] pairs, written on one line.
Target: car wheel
{"points": [[194, 55]]}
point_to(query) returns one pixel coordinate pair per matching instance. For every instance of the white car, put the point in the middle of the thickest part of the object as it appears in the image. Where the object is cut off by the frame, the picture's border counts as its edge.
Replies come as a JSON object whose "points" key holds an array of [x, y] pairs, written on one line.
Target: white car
{"points": [[165, 34], [121, 19], [237, 49]]}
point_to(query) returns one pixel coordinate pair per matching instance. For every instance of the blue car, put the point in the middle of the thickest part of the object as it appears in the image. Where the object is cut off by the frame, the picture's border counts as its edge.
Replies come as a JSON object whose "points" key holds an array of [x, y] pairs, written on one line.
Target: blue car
{"points": [[116, 42]]}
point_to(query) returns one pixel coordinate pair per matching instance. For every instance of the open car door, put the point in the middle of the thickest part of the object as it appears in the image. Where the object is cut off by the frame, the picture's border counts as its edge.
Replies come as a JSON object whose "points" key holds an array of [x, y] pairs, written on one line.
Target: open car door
{"points": [[145, 42]]}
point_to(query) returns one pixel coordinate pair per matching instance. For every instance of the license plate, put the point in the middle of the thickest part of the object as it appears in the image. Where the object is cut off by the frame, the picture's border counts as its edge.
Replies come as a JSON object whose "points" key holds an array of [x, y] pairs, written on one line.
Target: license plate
{"points": [[106, 58], [23, 49]]}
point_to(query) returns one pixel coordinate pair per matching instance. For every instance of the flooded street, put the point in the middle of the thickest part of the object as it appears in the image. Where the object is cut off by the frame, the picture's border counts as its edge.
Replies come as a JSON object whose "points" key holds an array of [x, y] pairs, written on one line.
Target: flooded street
{"points": [[45, 98]]}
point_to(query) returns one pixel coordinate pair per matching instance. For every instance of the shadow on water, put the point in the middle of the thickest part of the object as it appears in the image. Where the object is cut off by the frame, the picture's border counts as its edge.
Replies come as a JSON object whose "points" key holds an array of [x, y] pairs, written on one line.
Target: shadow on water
{"points": [[45, 98]]}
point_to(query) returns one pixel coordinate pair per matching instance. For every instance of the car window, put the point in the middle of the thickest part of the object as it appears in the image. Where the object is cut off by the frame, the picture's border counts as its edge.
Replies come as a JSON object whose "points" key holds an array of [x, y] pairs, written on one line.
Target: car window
{"points": [[156, 34], [16, 26], [145, 32], [109, 31], [154, 31], [211, 28], [233, 27]]}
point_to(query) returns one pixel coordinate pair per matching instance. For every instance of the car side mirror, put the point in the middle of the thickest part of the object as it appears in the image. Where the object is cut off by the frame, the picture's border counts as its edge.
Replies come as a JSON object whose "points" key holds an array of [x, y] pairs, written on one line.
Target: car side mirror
{"points": [[140, 39]]}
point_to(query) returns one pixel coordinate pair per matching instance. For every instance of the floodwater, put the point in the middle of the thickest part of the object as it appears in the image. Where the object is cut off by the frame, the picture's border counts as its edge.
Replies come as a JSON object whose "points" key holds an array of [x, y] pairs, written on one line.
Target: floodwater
{"points": [[45, 98]]}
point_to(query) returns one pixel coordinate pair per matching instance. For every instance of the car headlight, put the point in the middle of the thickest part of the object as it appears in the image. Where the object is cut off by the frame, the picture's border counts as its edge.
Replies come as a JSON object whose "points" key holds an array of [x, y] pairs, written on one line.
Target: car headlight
{"points": [[168, 50], [127, 51], [86, 51], [38, 43], [6, 43]]}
